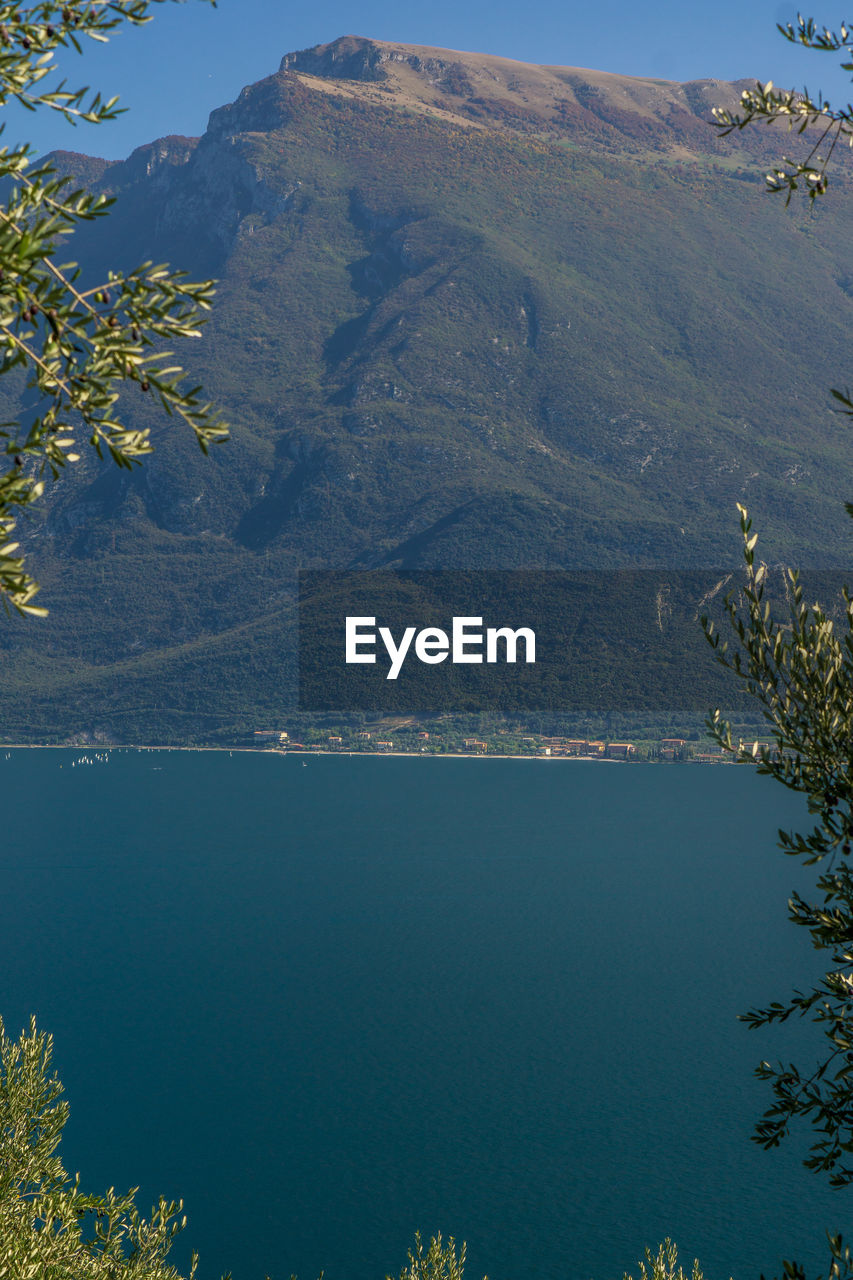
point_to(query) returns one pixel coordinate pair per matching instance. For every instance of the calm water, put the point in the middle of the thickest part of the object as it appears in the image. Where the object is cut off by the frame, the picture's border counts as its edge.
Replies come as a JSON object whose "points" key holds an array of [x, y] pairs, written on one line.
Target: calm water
{"points": [[328, 1003]]}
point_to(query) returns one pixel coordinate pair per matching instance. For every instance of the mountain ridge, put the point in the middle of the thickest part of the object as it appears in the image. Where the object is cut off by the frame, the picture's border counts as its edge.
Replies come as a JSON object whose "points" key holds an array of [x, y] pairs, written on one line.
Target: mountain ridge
{"points": [[425, 76]]}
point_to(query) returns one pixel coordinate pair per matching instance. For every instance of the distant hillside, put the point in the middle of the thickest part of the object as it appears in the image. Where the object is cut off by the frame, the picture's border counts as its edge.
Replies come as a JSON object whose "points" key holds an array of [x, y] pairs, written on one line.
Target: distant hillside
{"points": [[472, 313]]}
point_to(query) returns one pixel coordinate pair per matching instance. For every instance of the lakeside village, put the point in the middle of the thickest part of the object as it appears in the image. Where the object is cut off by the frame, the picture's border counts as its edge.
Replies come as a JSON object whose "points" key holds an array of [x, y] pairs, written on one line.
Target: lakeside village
{"points": [[408, 737]]}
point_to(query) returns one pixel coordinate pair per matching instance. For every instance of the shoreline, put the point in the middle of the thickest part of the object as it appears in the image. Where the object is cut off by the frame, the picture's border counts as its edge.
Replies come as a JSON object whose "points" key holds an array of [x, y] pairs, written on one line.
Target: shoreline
{"points": [[350, 755], [274, 751]]}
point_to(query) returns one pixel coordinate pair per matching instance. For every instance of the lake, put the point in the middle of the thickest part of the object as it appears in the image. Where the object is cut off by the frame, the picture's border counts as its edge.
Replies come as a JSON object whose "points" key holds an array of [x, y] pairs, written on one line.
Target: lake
{"points": [[330, 1001]]}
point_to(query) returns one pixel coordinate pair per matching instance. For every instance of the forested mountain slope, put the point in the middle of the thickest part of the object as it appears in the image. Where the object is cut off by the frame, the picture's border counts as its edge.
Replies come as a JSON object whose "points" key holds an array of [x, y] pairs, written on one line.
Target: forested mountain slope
{"points": [[472, 313]]}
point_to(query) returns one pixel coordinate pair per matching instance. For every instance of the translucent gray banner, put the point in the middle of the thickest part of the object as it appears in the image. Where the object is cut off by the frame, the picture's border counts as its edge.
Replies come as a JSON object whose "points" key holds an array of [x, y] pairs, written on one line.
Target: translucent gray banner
{"points": [[512, 641]]}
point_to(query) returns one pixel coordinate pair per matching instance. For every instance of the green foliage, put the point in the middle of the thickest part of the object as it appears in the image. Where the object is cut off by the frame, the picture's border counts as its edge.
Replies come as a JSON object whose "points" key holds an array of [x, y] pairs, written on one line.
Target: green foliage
{"points": [[800, 111], [840, 1263], [77, 346], [438, 1262], [50, 1229], [803, 114], [664, 1265], [800, 672]]}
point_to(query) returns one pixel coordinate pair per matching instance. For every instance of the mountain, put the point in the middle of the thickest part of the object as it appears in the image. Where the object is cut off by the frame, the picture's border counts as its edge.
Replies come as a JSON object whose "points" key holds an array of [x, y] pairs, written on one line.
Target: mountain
{"points": [[472, 313]]}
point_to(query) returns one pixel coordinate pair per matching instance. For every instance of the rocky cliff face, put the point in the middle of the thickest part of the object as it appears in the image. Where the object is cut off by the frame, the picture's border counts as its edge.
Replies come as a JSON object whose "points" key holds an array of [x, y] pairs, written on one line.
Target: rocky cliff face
{"points": [[224, 184], [348, 58], [371, 61], [194, 194]]}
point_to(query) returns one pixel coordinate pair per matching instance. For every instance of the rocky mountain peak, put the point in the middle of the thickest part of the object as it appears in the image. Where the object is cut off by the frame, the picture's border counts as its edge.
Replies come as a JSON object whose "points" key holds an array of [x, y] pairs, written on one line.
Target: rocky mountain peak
{"points": [[347, 58]]}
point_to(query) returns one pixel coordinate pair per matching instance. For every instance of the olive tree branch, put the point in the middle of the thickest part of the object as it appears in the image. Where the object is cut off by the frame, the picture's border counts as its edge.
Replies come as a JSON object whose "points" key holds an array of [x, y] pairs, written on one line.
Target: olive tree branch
{"points": [[77, 347], [768, 105], [801, 674]]}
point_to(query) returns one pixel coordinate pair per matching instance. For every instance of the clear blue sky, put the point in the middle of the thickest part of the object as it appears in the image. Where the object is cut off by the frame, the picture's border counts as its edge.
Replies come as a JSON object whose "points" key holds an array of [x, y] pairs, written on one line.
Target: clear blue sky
{"points": [[192, 58]]}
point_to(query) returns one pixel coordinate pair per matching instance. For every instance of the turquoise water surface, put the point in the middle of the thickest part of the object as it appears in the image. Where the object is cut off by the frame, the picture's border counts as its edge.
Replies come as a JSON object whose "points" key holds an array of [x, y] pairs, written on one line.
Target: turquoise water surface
{"points": [[328, 1002]]}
